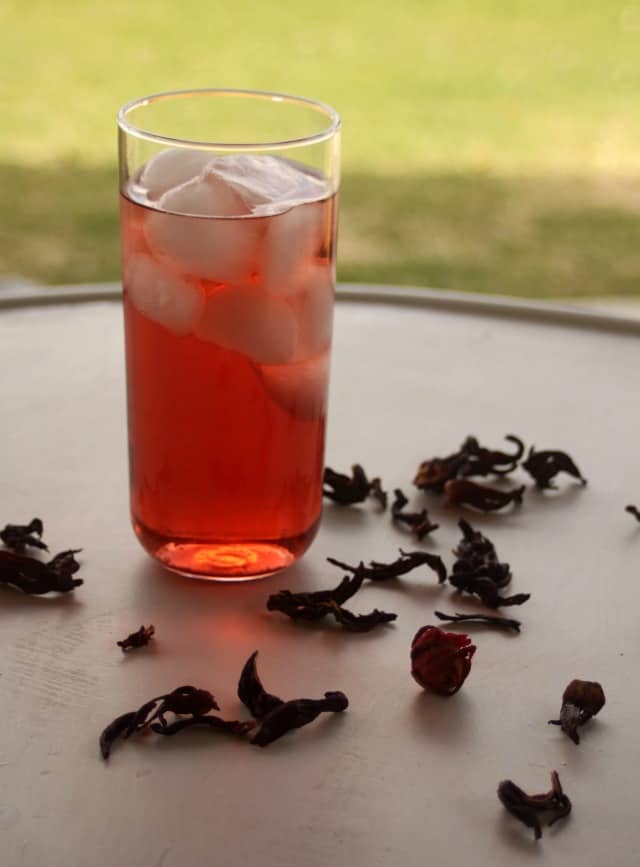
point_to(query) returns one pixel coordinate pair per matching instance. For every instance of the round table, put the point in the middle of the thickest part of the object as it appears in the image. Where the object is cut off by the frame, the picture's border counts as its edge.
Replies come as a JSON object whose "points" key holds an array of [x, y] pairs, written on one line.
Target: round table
{"points": [[403, 777]]}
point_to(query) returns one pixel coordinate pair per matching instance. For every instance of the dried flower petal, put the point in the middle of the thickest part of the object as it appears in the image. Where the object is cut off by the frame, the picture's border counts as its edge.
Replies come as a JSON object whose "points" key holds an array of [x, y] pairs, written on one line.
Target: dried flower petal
{"points": [[481, 461], [348, 490], [486, 590], [189, 700], [377, 493], [185, 700], [232, 727], [252, 693], [477, 558], [406, 562], [319, 604], [419, 522], [633, 510], [529, 809], [543, 466], [361, 622], [120, 727], [277, 717], [441, 661], [295, 714], [500, 622], [17, 536], [471, 459], [35, 577], [462, 492], [140, 638]]}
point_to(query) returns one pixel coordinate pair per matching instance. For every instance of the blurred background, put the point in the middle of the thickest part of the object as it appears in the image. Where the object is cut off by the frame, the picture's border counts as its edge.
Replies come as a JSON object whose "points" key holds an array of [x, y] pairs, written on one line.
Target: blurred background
{"points": [[489, 146]]}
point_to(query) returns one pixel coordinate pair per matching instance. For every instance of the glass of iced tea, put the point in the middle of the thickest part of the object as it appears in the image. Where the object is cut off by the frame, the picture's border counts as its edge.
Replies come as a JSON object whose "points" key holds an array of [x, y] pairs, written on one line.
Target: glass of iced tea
{"points": [[228, 221]]}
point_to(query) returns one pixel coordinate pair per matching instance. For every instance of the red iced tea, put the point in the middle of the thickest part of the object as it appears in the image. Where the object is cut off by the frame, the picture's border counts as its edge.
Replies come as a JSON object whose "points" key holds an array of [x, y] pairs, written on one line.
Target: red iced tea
{"points": [[228, 289]]}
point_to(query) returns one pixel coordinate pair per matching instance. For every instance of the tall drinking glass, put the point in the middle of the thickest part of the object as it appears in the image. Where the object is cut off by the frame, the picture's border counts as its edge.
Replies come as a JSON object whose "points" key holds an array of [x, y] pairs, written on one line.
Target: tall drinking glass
{"points": [[228, 222]]}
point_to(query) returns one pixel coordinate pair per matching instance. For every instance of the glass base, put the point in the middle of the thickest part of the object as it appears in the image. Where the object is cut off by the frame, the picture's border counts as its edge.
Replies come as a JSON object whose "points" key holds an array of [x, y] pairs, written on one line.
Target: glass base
{"points": [[218, 560], [228, 562]]}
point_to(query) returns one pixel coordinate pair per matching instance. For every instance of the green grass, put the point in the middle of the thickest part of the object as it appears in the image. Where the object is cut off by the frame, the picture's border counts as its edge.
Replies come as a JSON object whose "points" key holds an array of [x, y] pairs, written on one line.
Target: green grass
{"points": [[488, 146]]}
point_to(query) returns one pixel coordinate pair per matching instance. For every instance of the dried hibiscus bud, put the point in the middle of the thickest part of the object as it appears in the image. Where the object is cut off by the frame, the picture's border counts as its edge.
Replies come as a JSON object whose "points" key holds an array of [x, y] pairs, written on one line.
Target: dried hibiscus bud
{"points": [[633, 510], [543, 466], [441, 661], [137, 639], [419, 522], [18, 536], [581, 700], [529, 809], [347, 490], [462, 492]]}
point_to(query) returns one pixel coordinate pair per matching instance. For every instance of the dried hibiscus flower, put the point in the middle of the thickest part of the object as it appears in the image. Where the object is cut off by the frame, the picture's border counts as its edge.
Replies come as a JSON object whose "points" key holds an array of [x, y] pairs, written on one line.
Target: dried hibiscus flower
{"points": [[441, 661], [462, 492], [192, 705], [477, 557], [347, 490], [35, 577], [480, 461], [276, 716], [543, 466], [377, 493], [318, 604], [486, 590], [581, 700], [140, 638], [18, 536], [471, 459], [418, 522], [478, 571], [407, 561], [530, 809]]}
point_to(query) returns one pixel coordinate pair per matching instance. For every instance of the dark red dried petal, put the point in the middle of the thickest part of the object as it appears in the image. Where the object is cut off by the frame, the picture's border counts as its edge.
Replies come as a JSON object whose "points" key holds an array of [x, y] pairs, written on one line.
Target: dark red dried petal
{"points": [[441, 661]]}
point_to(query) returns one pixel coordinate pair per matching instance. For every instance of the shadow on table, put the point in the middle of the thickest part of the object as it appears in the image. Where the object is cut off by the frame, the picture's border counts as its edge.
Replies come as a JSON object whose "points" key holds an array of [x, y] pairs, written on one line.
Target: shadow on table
{"points": [[536, 235], [445, 721], [12, 600]]}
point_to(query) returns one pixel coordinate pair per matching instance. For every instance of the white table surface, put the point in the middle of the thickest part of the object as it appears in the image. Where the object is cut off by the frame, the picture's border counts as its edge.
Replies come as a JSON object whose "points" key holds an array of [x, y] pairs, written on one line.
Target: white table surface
{"points": [[402, 778]]}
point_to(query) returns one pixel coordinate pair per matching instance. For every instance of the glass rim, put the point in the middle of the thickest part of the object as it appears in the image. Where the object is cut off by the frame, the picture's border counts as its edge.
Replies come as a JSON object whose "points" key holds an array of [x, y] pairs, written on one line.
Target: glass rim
{"points": [[323, 135]]}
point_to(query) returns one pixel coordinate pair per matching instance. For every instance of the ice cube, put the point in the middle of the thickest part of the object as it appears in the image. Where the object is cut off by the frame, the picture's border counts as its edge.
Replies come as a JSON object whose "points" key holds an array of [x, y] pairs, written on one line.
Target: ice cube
{"points": [[300, 388], [221, 249], [250, 322], [161, 295], [292, 240], [313, 306], [132, 231], [207, 227], [170, 168], [269, 185], [207, 195]]}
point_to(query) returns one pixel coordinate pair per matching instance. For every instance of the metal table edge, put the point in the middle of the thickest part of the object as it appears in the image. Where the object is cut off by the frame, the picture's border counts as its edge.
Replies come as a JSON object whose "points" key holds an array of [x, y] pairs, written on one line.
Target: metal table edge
{"points": [[500, 306]]}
